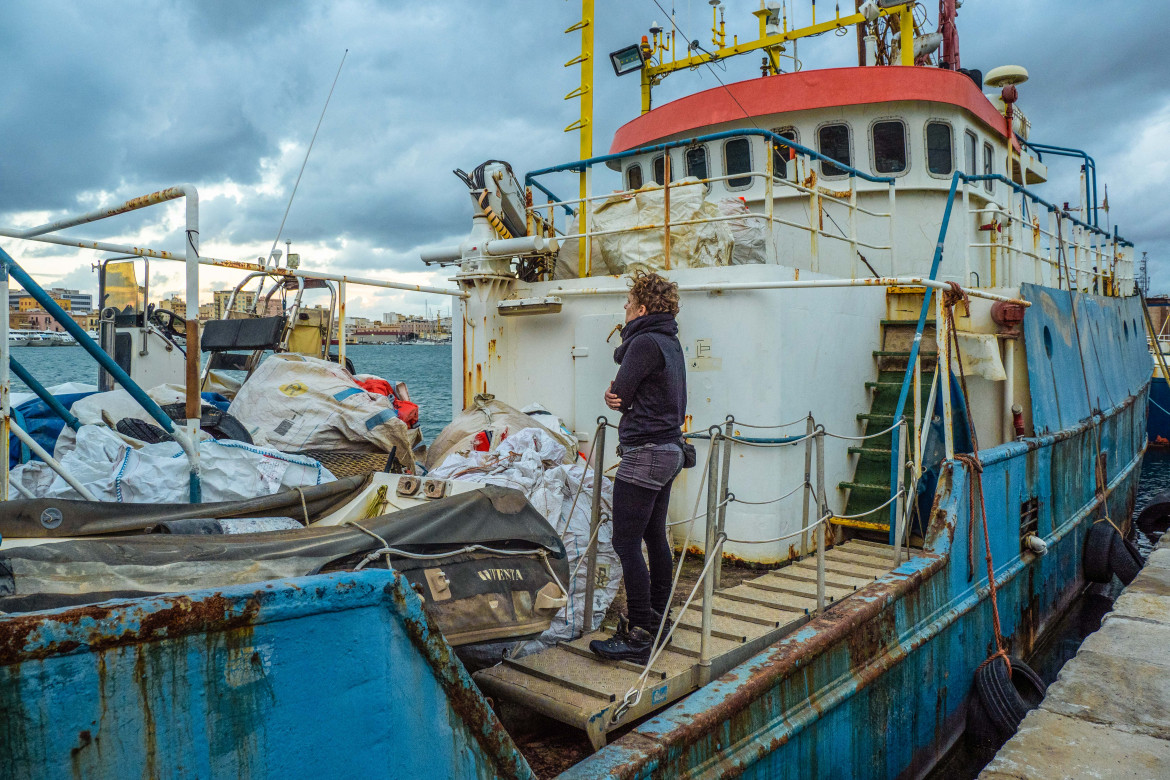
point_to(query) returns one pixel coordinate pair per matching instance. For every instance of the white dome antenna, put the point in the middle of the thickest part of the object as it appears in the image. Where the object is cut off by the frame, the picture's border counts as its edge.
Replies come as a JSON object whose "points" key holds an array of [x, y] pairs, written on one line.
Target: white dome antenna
{"points": [[1006, 75]]}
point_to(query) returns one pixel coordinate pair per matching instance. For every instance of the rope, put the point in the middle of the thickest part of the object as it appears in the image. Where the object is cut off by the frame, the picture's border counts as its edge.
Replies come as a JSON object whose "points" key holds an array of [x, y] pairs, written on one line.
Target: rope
{"points": [[368, 558], [731, 496], [634, 695], [693, 518], [581, 558], [596, 477], [304, 506], [387, 550], [889, 501], [738, 424], [747, 443], [1106, 519], [1155, 403], [950, 297], [807, 528], [866, 436]]}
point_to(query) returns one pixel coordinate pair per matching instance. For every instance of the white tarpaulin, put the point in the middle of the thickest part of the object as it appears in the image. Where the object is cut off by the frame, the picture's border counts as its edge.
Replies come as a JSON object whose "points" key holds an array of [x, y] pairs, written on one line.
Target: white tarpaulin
{"points": [[299, 403], [498, 420], [113, 470], [981, 357], [750, 233], [692, 245], [531, 460]]}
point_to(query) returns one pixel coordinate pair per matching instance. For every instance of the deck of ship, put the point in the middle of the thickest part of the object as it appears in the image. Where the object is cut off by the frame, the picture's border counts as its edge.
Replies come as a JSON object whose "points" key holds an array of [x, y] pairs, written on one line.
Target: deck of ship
{"points": [[1108, 714], [570, 684]]}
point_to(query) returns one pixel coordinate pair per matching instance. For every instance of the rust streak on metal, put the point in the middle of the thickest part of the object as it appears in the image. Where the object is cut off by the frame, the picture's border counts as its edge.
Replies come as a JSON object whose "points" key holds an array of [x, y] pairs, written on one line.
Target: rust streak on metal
{"points": [[19, 633], [849, 618], [465, 700]]}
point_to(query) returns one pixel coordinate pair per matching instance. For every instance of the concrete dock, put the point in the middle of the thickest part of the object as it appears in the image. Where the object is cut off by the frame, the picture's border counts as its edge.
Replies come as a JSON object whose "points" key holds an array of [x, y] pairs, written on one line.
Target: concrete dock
{"points": [[1108, 713]]}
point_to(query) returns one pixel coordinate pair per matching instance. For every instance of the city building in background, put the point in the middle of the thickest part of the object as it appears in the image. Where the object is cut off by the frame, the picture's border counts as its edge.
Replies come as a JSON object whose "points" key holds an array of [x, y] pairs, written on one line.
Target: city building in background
{"points": [[220, 298], [78, 302]]}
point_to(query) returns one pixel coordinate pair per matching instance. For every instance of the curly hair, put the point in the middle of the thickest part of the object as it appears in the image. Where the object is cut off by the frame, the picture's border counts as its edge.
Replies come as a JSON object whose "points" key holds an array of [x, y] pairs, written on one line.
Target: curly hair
{"points": [[654, 292]]}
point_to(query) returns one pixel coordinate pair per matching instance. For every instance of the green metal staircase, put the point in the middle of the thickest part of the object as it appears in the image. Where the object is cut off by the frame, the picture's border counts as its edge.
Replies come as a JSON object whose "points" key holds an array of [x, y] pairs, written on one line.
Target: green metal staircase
{"points": [[870, 486]]}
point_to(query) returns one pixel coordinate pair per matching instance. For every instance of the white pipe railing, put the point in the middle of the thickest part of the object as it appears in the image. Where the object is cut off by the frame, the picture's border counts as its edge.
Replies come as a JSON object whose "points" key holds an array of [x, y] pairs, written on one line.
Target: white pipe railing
{"points": [[799, 284]]}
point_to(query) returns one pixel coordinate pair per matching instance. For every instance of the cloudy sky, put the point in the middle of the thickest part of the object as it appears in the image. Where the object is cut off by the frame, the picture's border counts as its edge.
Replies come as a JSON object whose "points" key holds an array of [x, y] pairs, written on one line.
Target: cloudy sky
{"points": [[105, 101]]}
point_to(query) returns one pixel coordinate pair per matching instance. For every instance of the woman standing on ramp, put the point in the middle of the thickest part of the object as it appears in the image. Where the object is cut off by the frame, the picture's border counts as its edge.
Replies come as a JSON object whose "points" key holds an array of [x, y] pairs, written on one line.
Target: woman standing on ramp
{"points": [[650, 391]]}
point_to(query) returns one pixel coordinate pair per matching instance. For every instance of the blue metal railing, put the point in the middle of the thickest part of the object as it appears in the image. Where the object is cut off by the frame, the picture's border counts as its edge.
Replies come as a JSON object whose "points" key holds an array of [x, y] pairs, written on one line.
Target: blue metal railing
{"points": [[1090, 170], [46, 302], [904, 393], [1050, 206], [580, 165]]}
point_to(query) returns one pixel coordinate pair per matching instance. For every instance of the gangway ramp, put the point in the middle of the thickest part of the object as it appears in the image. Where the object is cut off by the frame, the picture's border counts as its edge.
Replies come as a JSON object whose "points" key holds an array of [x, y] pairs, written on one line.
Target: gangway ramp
{"points": [[572, 685]]}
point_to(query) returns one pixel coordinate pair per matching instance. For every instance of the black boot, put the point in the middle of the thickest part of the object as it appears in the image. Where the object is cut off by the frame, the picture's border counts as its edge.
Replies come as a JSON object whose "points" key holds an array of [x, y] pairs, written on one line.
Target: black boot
{"points": [[667, 625], [629, 643]]}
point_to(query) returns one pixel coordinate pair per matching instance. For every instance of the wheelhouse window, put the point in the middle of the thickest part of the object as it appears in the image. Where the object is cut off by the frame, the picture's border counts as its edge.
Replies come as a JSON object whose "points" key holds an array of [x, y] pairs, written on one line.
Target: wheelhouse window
{"points": [[988, 167], [969, 144], [634, 177], [889, 146], [737, 159], [939, 155], [697, 162], [781, 155], [659, 165], [833, 141]]}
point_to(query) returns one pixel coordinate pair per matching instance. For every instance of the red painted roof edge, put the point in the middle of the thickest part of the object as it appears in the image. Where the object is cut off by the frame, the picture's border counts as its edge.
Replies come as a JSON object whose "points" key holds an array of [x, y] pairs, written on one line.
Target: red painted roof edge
{"points": [[805, 90]]}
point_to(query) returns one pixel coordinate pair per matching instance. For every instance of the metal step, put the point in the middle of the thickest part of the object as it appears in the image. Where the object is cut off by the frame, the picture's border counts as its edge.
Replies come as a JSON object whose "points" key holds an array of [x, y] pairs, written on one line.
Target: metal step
{"points": [[930, 323], [863, 487], [570, 684], [862, 525], [871, 451], [833, 574]]}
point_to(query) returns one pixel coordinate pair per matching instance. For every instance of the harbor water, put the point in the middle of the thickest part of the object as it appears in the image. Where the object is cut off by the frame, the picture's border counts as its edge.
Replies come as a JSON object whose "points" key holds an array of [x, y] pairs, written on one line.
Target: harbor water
{"points": [[426, 369]]}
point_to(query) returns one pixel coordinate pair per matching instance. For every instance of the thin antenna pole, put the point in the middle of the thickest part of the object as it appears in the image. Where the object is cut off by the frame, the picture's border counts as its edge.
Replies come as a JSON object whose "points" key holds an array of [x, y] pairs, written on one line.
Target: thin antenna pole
{"points": [[305, 162]]}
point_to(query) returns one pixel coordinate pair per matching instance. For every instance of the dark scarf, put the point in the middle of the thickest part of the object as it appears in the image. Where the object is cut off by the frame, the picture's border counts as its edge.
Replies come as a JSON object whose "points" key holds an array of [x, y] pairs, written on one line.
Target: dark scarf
{"points": [[658, 322]]}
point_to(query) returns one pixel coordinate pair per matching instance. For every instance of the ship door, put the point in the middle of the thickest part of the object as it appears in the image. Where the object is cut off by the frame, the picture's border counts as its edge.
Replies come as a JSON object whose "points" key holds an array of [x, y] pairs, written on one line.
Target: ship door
{"points": [[593, 370]]}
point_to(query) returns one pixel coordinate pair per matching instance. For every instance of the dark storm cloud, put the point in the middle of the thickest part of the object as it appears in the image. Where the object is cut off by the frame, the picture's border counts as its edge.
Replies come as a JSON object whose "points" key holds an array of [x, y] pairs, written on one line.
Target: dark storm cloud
{"points": [[128, 98]]}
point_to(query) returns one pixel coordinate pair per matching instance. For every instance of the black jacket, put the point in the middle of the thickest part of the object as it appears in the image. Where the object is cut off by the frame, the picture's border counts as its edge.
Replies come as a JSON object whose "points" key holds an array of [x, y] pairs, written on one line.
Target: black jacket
{"points": [[652, 381]]}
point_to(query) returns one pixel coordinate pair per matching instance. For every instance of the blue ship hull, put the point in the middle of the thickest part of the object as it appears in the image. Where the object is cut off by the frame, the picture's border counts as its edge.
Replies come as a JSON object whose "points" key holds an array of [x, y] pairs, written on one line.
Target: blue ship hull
{"points": [[338, 675]]}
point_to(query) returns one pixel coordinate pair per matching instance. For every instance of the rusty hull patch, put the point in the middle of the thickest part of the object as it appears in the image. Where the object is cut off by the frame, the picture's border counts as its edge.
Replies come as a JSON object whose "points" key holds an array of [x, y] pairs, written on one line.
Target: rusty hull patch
{"points": [[29, 637]]}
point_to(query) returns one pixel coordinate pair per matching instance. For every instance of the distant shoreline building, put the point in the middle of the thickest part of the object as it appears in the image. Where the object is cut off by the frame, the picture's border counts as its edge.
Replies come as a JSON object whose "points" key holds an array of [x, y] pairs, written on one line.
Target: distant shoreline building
{"points": [[78, 302]]}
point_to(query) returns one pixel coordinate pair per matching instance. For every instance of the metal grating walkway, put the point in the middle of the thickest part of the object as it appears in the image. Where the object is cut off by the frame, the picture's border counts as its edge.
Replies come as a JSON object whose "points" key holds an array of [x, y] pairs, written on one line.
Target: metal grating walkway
{"points": [[570, 684]]}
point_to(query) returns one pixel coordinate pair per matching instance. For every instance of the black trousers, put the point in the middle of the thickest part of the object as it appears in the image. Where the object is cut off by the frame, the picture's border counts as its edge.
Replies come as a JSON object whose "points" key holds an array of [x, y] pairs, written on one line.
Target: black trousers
{"points": [[639, 514]]}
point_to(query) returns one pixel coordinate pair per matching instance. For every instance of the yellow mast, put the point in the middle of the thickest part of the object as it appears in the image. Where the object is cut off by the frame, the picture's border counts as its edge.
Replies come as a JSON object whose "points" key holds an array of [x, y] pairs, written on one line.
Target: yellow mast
{"points": [[585, 123]]}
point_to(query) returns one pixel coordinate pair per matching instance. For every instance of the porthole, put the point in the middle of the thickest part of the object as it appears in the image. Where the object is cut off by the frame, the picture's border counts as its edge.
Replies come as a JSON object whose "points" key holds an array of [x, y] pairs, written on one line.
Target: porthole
{"points": [[939, 155], [737, 159], [888, 146], [833, 142], [1125, 330], [1048, 341], [634, 177]]}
